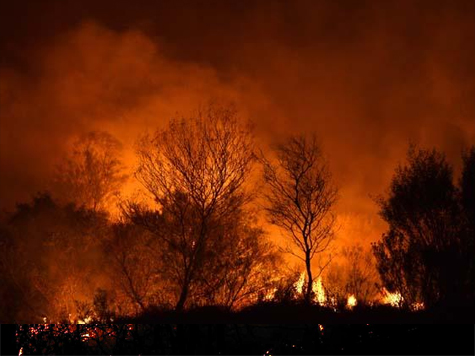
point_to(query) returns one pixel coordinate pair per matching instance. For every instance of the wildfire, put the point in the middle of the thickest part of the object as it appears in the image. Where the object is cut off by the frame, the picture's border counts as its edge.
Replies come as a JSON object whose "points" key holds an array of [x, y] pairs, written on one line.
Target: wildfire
{"points": [[351, 303], [299, 284], [319, 292], [317, 288], [270, 295], [417, 306], [86, 320], [393, 299]]}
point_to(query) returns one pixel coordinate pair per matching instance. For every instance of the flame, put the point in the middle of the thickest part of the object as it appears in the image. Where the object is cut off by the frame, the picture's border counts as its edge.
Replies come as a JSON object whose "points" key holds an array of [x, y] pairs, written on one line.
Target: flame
{"points": [[270, 295], [317, 288], [299, 284], [351, 303], [320, 326], [86, 320], [20, 352], [319, 292], [394, 299]]}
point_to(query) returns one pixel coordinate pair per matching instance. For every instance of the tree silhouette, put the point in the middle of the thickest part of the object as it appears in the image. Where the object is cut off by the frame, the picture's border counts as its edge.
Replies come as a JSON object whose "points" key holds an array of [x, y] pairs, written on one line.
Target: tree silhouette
{"points": [[195, 169], [467, 202], [424, 254], [134, 265], [300, 198], [92, 172], [355, 275], [50, 258]]}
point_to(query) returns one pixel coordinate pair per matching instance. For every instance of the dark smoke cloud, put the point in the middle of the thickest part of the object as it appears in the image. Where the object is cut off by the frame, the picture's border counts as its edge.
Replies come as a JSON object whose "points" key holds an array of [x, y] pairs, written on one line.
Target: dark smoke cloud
{"points": [[367, 77]]}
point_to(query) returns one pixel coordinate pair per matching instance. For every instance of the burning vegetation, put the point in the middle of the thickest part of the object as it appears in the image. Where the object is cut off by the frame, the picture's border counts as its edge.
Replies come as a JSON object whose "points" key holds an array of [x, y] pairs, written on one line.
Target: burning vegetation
{"points": [[287, 163], [194, 239]]}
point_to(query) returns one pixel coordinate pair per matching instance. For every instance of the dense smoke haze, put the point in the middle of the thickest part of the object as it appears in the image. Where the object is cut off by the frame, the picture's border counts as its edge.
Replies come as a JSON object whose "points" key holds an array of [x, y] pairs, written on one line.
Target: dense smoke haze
{"points": [[367, 80]]}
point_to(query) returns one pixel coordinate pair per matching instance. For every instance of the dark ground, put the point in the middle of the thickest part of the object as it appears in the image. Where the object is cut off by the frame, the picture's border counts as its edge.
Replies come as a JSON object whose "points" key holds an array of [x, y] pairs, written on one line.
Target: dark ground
{"points": [[255, 339]]}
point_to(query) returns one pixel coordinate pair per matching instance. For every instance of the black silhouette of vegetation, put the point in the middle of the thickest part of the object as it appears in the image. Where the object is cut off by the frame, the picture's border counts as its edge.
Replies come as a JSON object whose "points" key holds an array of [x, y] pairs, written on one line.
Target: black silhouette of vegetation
{"points": [[427, 253], [300, 199]]}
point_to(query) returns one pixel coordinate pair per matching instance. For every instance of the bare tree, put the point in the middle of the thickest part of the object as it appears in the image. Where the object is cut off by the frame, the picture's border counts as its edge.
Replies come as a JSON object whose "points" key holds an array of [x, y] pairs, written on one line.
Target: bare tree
{"points": [[243, 266], [195, 169], [354, 274], [300, 198], [91, 173], [134, 264]]}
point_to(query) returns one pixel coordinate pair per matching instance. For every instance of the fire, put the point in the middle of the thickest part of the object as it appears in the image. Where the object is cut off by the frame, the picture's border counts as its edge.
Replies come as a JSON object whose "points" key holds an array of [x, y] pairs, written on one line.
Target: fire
{"points": [[317, 288], [351, 303], [393, 299], [319, 292], [86, 320], [299, 284], [417, 306], [270, 295]]}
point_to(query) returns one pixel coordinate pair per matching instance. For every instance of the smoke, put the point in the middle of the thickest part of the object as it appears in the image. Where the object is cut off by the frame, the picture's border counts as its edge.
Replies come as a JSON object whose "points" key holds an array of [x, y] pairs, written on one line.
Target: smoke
{"points": [[367, 78]]}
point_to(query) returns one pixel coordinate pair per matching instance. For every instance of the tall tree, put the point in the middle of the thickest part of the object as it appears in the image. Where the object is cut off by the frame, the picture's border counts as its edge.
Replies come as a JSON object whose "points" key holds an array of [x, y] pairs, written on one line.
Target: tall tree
{"points": [[92, 172], [423, 255], [300, 198], [195, 169]]}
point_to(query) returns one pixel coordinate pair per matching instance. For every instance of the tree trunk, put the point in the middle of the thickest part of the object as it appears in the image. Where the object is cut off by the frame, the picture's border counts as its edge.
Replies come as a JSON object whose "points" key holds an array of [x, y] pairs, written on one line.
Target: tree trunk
{"points": [[308, 293], [183, 296]]}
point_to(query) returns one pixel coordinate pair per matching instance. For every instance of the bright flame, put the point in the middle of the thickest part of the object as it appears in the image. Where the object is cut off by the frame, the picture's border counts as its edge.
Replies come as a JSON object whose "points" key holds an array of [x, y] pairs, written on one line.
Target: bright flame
{"points": [[320, 326], [299, 284], [86, 320], [351, 303], [317, 288], [319, 292], [270, 295], [394, 299], [20, 352]]}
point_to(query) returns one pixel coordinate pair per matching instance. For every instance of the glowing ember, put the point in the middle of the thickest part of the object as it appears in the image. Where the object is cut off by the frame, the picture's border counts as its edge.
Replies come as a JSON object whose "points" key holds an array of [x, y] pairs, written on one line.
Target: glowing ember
{"points": [[320, 326], [319, 292], [417, 306], [351, 303], [20, 352]]}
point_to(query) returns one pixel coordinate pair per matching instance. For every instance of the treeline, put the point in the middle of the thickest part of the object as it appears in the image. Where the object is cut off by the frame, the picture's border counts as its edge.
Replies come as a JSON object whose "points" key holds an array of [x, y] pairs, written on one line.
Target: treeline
{"points": [[195, 240]]}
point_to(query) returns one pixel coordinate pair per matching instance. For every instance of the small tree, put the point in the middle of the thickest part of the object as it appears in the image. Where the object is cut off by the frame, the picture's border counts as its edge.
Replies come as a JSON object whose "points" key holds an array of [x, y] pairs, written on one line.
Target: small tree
{"points": [[300, 198], [53, 257], [467, 199], [195, 169], [361, 274], [92, 172], [133, 264]]}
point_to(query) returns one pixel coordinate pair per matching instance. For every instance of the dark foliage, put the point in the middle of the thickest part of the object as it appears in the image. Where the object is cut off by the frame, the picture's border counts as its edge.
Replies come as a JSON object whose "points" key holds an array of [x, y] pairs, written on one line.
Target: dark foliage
{"points": [[427, 254]]}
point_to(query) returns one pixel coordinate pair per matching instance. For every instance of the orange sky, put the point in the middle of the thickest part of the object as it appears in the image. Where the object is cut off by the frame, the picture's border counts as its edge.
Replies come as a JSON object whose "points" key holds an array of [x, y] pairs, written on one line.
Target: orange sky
{"points": [[367, 77]]}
